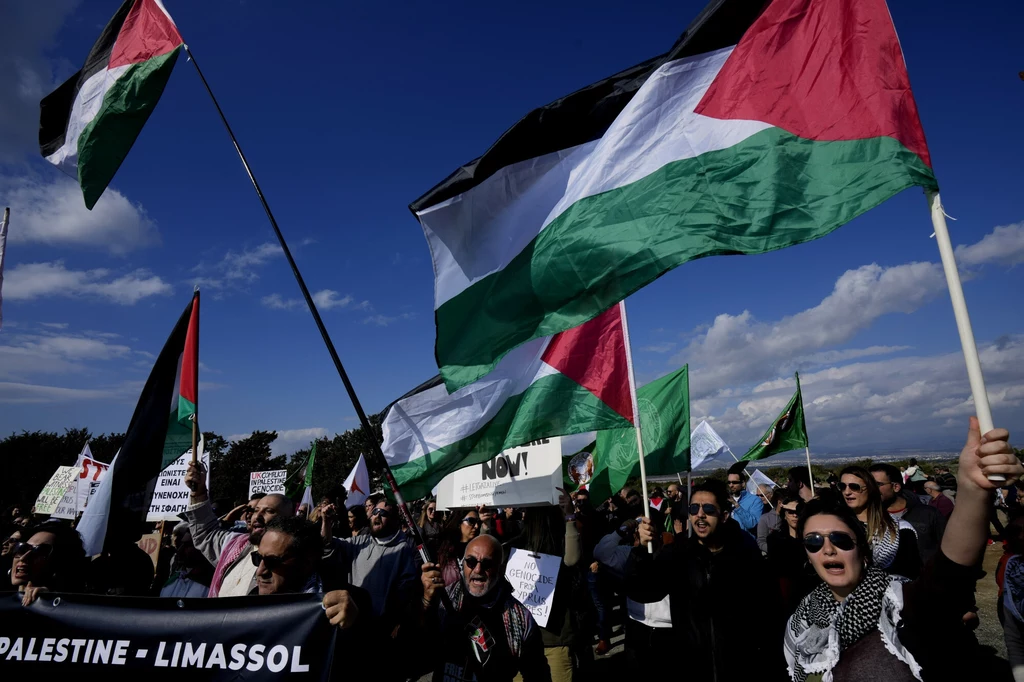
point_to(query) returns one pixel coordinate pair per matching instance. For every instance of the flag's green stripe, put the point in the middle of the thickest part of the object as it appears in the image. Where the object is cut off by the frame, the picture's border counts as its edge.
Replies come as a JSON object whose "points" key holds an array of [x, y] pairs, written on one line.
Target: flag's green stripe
{"points": [[186, 408], [771, 191], [105, 142], [554, 405], [178, 440]]}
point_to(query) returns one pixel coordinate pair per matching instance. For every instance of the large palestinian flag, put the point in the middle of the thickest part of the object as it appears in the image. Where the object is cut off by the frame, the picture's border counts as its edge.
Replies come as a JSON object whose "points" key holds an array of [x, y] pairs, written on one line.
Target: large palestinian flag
{"points": [[160, 432], [767, 125], [88, 124], [572, 382]]}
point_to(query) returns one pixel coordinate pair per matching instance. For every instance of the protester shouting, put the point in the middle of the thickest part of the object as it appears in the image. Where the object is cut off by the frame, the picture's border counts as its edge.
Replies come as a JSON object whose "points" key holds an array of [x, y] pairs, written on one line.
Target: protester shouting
{"points": [[893, 543], [463, 526], [13, 539], [864, 624], [902, 504], [228, 551], [51, 560], [710, 578], [490, 636]]}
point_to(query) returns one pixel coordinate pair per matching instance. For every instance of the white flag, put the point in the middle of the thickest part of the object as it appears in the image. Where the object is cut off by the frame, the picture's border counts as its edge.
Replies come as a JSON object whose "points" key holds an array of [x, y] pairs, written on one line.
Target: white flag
{"points": [[357, 484], [3, 248], [705, 444], [307, 499], [757, 479]]}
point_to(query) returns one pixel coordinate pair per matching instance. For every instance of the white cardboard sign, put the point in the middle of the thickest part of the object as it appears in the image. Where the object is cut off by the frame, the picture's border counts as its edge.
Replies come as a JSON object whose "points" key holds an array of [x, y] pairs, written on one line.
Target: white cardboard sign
{"points": [[267, 482], [170, 495], [52, 493], [533, 577], [93, 473], [527, 475]]}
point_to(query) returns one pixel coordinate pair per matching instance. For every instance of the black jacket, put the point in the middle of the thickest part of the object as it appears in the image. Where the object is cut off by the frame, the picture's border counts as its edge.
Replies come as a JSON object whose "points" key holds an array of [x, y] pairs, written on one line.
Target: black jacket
{"points": [[725, 606], [928, 523]]}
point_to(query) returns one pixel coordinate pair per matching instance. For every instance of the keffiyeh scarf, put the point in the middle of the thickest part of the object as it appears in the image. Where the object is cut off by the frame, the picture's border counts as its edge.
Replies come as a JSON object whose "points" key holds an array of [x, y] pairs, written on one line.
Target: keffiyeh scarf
{"points": [[822, 628]]}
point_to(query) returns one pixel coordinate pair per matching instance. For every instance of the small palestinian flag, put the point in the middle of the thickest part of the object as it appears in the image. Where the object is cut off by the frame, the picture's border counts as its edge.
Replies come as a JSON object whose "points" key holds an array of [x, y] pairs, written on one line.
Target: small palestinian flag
{"points": [[88, 124], [787, 432], [160, 432], [769, 123], [573, 382]]}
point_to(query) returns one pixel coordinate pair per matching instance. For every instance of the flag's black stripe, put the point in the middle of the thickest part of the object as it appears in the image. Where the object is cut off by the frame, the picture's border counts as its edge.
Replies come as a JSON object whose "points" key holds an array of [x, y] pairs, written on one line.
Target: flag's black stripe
{"points": [[55, 109], [141, 458], [586, 114]]}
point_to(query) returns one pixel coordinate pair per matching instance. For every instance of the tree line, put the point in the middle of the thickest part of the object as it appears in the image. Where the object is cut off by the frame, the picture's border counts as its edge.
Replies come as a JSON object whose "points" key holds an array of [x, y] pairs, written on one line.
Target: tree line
{"points": [[37, 454]]}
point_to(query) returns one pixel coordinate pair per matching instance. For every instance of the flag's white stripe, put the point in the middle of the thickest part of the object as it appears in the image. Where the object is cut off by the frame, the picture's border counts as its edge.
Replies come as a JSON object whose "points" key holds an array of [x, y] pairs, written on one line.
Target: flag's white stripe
{"points": [[430, 420], [85, 108], [479, 232]]}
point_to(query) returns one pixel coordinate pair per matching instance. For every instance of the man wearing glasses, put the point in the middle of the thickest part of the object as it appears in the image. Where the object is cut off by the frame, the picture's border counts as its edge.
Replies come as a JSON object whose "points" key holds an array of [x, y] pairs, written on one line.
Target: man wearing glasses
{"points": [[491, 636], [725, 606]]}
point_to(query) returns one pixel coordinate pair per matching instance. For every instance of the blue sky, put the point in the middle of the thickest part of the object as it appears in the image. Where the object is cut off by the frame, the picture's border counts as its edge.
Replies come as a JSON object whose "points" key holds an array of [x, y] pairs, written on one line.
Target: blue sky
{"points": [[348, 112]]}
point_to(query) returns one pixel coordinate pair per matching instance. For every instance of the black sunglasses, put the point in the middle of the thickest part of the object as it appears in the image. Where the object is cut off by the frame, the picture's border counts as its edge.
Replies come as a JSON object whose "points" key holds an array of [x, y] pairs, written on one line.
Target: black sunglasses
{"points": [[24, 549], [430, 510], [855, 487], [813, 542], [471, 520], [735, 482], [485, 564], [709, 509], [380, 511], [273, 563], [794, 512]]}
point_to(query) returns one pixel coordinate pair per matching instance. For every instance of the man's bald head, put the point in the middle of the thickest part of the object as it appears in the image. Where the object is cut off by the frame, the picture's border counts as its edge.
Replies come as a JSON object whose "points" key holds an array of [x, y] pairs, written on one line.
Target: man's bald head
{"points": [[481, 565], [494, 548], [268, 507]]}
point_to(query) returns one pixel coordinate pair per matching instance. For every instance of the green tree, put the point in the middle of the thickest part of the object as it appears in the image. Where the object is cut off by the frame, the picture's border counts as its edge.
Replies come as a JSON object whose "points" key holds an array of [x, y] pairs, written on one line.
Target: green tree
{"points": [[230, 468]]}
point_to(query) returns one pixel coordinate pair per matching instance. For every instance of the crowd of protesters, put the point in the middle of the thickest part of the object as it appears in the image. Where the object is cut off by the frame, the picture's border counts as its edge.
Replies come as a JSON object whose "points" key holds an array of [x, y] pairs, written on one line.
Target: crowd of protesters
{"points": [[871, 575]]}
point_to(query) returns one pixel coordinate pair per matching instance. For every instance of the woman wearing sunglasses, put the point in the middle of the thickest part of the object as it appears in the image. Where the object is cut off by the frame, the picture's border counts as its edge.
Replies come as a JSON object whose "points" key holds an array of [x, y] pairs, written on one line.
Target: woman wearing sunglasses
{"points": [[51, 560], [463, 526], [893, 543], [862, 623]]}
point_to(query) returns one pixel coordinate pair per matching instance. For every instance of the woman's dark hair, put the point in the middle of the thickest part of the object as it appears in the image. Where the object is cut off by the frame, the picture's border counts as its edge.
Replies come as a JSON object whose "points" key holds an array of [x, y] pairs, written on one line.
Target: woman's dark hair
{"points": [[913, 462], [879, 521], [358, 516], [716, 488], [67, 561], [451, 537], [840, 510]]}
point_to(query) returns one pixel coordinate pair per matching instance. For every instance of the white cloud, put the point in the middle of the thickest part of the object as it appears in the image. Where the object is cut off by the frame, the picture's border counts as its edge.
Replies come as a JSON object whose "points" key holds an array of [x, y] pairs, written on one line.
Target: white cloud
{"points": [[1003, 246], [237, 269], [29, 281], [23, 355], [54, 325], [52, 212], [11, 392], [325, 299], [289, 440], [385, 320], [666, 347]]}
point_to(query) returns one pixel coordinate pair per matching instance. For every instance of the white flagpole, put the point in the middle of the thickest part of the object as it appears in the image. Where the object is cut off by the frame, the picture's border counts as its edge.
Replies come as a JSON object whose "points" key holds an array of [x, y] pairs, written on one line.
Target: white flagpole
{"points": [[963, 319], [636, 414], [810, 474]]}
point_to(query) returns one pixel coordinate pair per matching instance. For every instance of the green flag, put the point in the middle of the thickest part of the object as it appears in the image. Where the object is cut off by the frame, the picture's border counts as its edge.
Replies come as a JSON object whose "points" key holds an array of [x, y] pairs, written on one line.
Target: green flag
{"points": [[665, 424], [788, 432], [295, 487]]}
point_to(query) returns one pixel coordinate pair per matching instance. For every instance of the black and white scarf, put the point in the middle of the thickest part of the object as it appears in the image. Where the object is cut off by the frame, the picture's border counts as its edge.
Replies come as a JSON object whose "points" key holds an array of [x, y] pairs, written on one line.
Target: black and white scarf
{"points": [[822, 628]]}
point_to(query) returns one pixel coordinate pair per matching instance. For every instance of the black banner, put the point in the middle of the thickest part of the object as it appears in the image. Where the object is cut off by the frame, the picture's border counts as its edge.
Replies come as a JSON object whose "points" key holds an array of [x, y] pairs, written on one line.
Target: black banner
{"points": [[142, 639]]}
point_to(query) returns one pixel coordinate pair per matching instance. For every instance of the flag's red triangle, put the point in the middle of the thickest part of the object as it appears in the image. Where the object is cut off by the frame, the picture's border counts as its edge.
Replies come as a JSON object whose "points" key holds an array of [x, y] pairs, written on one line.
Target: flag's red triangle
{"points": [[147, 32], [355, 487], [190, 357], [594, 356], [822, 70]]}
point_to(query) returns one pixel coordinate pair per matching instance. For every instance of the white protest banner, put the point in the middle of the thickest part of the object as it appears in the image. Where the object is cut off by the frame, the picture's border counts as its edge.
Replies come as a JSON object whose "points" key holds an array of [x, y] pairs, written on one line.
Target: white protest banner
{"points": [[267, 482], [54, 490], [533, 577], [171, 495], [67, 508], [93, 473], [527, 475]]}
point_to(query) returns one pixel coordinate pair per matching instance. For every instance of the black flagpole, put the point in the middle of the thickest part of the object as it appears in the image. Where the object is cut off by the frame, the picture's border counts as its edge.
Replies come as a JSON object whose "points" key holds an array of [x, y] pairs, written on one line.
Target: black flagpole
{"points": [[381, 460]]}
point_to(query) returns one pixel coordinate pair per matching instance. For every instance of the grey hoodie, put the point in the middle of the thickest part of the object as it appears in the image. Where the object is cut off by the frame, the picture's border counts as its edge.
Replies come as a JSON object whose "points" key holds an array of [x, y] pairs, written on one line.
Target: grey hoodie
{"points": [[385, 568]]}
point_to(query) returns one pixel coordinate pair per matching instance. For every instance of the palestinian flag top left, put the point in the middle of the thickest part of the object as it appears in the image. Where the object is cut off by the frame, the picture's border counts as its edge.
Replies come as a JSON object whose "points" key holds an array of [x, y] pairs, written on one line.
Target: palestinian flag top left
{"points": [[160, 432], [88, 124]]}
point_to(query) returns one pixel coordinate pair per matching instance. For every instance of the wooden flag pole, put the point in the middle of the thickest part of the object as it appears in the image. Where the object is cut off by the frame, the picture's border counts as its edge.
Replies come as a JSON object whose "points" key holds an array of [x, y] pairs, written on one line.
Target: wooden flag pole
{"points": [[636, 415], [963, 319]]}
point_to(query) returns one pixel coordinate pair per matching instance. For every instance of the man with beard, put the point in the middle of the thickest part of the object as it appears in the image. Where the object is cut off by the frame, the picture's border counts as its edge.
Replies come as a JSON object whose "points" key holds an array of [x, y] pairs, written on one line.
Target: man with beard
{"points": [[228, 551], [490, 636], [707, 578], [380, 562]]}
